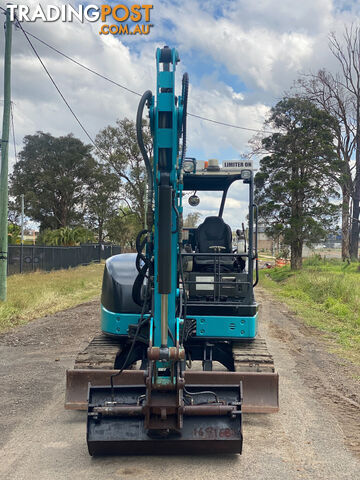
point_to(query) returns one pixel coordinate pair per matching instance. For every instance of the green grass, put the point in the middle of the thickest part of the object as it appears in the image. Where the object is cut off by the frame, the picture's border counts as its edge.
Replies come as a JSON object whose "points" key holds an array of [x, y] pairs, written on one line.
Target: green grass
{"points": [[33, 295], [326, 294]]}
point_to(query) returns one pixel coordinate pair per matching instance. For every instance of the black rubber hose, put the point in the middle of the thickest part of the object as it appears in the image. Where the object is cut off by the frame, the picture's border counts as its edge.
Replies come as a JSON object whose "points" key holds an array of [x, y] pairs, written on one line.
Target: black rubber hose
{"points": [[137, 285], [185, 94], [138, 243], [184, 312], [147, 97], [140, 322], [139, 248], [142, 269]]}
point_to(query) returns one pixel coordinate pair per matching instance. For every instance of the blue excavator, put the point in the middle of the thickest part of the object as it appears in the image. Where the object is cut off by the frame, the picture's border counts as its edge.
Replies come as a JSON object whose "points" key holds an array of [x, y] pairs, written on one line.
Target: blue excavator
{"points": [[179, 359]]}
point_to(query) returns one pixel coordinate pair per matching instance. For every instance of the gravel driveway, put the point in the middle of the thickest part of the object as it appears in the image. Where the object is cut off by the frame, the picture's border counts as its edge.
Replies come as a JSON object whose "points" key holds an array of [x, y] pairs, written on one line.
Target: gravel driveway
{"points": [[316, 434]]}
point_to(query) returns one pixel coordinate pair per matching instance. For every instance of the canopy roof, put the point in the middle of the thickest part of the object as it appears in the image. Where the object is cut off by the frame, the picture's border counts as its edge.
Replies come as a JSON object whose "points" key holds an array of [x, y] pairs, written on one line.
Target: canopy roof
{"points": [[210, 181]]}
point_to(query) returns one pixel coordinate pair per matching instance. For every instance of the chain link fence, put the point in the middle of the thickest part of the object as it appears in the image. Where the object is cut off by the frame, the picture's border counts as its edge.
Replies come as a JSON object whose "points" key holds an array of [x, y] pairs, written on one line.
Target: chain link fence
{"points": [[29, 258]]}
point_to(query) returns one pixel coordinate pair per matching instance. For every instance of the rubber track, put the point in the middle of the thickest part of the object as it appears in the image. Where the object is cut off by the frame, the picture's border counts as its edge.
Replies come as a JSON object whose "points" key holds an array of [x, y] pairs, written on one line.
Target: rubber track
{"points": [[249, 356], [252, 356], [101, 353]]}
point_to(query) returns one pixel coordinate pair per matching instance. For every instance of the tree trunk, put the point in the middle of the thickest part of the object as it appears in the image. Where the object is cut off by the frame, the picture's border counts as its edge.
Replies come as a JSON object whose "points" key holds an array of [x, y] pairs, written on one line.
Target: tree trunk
{"points": [[100, 232], [354, 241], [63, 218], [296, 254], [345, 224]]}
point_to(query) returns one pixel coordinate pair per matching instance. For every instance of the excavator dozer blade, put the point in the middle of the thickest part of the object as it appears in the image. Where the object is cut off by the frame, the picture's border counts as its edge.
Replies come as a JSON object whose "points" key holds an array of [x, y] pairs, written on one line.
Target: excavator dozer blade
{"points": [[121, 430], [260, 389]]}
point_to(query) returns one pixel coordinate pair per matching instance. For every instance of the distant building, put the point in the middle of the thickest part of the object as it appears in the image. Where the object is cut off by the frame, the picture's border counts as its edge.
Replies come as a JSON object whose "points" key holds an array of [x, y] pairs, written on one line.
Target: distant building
{"points": [[266, 242], [30, 236]]}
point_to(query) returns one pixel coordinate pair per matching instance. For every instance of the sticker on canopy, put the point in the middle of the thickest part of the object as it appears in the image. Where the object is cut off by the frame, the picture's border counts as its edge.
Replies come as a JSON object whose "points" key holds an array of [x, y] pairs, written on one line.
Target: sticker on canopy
{"points": [[237, 164]]}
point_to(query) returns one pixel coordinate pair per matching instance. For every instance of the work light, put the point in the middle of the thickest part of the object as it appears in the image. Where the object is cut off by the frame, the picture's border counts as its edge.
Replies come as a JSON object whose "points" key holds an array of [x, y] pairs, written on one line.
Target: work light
{"points": [[245, 174], [189, 165]]}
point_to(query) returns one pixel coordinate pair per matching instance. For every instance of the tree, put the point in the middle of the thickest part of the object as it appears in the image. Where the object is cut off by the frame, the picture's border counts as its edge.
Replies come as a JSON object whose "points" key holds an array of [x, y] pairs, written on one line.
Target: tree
{"points": [[348, 56], [14, 232], [65, 236], [339, 95], [192, 219], [327, 92], [123, 228], [52, 173], [293, 186], [102, 200], [14, 209], [121, 153]]}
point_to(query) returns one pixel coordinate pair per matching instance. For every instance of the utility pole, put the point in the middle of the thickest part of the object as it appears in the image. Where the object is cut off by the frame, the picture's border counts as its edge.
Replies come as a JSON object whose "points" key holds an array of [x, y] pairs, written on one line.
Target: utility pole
{"points": [[22, 233], [4, 160]]}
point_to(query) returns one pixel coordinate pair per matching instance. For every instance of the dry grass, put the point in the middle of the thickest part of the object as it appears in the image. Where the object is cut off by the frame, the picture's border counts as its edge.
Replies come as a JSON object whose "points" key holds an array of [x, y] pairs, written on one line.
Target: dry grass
{"points": [[33, 295]]}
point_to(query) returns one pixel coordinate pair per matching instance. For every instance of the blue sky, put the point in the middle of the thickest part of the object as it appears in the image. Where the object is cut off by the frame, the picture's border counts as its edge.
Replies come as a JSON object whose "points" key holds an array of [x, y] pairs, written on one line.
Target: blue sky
{"points": [[241, 56]]}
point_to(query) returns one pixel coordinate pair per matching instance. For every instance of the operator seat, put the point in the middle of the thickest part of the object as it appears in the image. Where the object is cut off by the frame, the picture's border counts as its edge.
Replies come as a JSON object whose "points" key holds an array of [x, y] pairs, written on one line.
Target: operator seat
{"points": [[213, 232]]}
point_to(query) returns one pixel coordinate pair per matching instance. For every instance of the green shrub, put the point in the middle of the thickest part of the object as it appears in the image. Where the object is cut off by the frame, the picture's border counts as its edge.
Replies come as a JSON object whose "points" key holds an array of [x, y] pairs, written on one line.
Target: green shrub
{"points": [[326, 293]]}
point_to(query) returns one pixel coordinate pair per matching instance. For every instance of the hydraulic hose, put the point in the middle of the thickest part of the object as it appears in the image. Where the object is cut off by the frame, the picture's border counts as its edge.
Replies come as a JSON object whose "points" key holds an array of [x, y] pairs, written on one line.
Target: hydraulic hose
{"points": [[146, 98], [185, 93], [142, 269]]}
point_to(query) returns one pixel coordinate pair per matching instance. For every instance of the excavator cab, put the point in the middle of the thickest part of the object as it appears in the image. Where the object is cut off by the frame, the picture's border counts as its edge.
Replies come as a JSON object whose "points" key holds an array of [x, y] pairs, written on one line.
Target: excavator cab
{"points": [[219, 272]]}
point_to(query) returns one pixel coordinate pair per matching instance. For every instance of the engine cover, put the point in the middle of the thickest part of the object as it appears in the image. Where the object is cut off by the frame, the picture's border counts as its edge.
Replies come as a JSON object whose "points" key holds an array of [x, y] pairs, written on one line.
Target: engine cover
{"points": [[119, 276]]}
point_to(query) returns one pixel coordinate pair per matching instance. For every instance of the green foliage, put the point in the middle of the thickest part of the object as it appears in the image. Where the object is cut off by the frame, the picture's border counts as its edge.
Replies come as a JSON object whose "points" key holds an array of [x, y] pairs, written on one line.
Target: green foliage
{"points": [[295, 182], [102, 200], [64, 186], [123, 228], [123, 156], [14, 209], [66, 236], [284, 253], [14, 232], [315, 260], [326, 293], [53, 173]]}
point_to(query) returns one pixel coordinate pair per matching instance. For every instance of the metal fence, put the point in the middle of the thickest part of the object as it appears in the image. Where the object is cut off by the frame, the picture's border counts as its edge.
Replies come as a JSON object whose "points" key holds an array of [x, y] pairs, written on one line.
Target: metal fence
{"points": [[29, 258]]}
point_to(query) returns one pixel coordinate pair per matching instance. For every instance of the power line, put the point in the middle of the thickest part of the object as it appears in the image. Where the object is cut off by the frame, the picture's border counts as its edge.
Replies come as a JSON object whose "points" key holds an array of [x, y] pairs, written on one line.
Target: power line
{"points": [[217, 122], [137, 93], [83, 66], [58, 89], [228, 124]]}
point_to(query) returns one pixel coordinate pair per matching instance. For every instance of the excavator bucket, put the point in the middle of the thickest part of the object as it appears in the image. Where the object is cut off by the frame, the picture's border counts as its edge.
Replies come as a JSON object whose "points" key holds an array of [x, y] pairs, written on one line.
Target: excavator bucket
{"points": [[117, 422]]}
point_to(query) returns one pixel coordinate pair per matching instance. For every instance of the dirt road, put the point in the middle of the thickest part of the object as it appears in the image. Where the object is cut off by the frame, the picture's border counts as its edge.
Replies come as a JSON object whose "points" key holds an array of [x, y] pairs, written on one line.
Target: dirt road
{"points": [[316, 435]]}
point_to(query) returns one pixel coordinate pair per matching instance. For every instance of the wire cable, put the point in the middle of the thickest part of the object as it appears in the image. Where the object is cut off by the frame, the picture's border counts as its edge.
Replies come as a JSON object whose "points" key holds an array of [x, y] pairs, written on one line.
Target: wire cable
{"points": [[205, 392], [229, 124], [58, 90], [104, 77], [83, 66]]}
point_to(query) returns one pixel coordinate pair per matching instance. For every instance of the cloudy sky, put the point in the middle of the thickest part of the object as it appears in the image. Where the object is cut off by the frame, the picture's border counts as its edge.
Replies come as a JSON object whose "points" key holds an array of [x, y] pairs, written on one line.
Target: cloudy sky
{"points": [[241, 56]]}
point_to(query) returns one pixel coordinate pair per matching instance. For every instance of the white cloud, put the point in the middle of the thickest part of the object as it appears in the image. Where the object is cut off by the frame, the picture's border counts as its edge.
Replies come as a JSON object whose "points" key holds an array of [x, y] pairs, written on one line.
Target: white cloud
{"points": [[236, 205], [240, 55]]}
